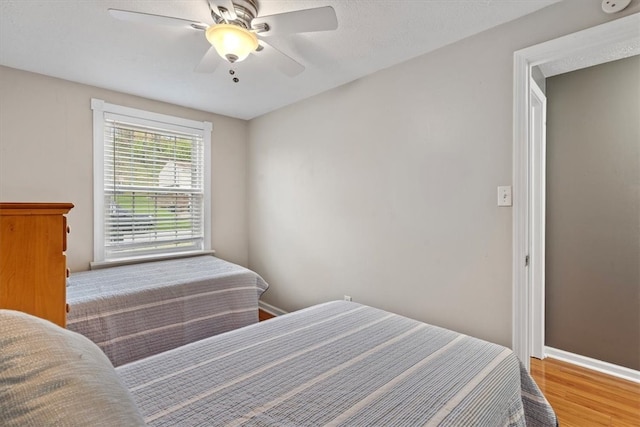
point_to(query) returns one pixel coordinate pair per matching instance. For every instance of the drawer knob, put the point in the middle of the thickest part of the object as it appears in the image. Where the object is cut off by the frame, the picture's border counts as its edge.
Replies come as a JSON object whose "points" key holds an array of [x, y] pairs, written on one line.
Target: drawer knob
{"points": [[68, 272]]}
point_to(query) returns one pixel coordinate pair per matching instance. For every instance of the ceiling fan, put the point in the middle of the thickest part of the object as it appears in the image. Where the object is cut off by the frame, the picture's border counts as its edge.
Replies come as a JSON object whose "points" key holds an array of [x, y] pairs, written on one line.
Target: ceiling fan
{"points": [[238, 31]]}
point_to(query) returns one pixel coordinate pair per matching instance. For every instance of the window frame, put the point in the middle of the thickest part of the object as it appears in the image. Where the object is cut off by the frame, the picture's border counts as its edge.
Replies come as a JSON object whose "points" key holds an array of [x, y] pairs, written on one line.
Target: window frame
{"points": [[145, 118]]}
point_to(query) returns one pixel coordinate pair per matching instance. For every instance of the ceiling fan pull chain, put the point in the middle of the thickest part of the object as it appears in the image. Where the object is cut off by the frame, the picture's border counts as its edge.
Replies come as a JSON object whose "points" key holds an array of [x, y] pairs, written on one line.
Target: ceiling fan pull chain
{"points": [[232, 72]]}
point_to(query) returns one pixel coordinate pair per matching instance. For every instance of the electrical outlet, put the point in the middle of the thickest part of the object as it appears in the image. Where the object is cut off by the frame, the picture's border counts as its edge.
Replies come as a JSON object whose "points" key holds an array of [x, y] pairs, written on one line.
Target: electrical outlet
{"points": [[347, 298], [614, 6]]}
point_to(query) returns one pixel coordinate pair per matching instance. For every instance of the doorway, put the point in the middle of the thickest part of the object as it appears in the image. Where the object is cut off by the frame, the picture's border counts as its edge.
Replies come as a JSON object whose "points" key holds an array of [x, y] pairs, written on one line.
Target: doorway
{"points": [[613, 40]]}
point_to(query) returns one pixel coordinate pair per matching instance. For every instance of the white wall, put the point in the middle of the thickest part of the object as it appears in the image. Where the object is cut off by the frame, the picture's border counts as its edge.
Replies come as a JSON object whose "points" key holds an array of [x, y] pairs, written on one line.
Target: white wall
{"points": [[385, 188], [46, 155]]}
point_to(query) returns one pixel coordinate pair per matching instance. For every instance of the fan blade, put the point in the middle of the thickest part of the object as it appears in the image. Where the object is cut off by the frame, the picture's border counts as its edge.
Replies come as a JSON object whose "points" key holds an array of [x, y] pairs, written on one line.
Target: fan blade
{"points": [[228, 11], [300, 21], [147, 18], [281, 61], [209, 61]]}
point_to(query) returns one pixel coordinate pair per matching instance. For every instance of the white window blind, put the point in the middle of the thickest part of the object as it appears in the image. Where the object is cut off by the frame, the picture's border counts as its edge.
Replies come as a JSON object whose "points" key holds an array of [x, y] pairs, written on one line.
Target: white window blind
{"points": [[154, 178]]}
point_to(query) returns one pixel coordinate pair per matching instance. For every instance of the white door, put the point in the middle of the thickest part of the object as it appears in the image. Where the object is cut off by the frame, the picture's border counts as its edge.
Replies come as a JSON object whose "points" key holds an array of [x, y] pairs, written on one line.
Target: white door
{"points": [[537, 183]]}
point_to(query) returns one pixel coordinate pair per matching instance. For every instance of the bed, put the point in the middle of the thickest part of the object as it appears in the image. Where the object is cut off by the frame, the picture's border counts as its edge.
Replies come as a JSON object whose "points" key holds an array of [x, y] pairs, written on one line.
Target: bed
{"points": [[338, 363], [135, 311]]}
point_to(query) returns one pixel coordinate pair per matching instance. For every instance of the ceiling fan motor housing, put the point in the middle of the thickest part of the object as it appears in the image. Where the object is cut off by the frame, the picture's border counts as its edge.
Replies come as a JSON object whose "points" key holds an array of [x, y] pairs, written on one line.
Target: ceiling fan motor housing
{"points": [[245, 10]]}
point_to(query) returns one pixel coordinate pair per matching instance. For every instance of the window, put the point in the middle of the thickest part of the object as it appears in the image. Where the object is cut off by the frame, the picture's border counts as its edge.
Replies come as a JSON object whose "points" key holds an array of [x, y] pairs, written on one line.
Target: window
{"points": [[151, 184]]}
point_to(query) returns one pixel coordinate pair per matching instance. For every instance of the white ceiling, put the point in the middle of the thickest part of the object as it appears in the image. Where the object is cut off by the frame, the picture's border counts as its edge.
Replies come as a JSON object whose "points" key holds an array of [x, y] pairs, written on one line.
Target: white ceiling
{"points": [[78, 40]]}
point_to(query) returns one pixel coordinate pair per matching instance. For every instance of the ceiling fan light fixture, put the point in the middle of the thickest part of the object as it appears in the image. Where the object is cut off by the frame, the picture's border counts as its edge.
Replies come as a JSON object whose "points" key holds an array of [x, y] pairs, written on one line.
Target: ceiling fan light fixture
{"points": [[232, 42]]}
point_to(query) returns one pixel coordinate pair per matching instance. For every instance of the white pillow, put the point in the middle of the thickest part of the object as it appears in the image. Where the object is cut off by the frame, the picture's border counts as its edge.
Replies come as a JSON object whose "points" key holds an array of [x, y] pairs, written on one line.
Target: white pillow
{"points": [[50, 376]]}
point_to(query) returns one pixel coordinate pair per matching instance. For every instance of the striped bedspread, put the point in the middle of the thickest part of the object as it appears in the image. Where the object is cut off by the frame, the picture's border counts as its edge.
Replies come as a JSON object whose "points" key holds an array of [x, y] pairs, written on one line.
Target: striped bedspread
{"points": [[338, 363], [135, 311]]}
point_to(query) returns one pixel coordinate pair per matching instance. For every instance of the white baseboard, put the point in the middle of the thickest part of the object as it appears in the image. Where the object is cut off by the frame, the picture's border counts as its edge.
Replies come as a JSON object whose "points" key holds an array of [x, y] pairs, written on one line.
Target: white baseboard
{"points": [[270, 309], [594, 364]]}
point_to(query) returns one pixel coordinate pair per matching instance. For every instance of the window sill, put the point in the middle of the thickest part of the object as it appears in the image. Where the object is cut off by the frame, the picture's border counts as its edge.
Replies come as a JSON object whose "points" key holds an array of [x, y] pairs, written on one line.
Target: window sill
{"points": [[96, 265]]}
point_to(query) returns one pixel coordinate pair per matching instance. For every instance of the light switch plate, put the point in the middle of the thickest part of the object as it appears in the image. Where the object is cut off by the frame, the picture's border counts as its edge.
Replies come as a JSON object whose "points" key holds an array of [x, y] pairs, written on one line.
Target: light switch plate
{"points": [[504, 196]]}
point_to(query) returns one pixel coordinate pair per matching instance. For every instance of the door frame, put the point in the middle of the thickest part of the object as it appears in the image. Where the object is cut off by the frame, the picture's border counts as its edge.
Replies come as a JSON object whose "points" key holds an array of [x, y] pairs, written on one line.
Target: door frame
{"points": [[604, 43]]}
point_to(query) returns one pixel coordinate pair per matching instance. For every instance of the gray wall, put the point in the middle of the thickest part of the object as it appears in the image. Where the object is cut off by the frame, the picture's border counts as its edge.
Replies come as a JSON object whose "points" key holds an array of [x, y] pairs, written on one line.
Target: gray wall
{"points": [[46, 154], [385, 188], [593, 212]]}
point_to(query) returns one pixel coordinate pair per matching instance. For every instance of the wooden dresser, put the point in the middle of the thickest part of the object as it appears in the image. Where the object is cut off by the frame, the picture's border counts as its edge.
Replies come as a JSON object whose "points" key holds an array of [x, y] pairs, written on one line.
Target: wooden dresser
{"points": [[33, 266]]}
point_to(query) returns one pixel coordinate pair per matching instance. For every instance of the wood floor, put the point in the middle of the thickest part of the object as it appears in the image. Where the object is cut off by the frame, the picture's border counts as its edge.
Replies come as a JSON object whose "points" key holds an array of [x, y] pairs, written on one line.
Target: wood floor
{"points": [[584, 398], [581, 397], [263, 315]]}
